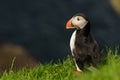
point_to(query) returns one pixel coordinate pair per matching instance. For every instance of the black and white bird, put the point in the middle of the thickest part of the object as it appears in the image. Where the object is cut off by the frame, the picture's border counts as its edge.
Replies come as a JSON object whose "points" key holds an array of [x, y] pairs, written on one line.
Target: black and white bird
{"points": [[84, 48]]}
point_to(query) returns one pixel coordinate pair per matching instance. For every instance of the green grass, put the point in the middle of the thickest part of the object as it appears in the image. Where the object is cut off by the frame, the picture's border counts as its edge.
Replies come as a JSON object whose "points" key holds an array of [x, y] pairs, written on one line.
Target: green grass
{"points": [[108, 70]]}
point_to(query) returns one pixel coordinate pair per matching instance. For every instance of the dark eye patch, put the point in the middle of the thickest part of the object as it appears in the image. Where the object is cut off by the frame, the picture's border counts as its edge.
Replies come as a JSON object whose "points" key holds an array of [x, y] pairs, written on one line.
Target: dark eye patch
{"points": [[78, 19]]}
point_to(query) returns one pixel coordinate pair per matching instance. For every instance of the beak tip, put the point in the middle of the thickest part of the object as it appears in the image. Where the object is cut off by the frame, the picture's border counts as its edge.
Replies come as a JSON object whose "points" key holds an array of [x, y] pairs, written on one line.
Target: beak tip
{"points": [[68, 24]]}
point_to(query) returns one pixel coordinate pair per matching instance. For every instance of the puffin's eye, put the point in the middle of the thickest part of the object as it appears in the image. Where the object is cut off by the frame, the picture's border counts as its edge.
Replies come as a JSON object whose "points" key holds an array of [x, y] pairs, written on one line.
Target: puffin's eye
{"points": [[78, 19]]}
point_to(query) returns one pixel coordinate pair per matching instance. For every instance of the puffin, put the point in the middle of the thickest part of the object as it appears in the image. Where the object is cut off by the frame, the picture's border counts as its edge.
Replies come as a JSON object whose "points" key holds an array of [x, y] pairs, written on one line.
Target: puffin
{"points": [[84, 48]]}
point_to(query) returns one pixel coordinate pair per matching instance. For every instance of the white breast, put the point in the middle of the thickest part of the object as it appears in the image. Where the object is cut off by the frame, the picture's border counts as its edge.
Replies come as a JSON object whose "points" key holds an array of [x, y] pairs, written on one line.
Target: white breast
{"points": [[72, 46], [72, 42]]}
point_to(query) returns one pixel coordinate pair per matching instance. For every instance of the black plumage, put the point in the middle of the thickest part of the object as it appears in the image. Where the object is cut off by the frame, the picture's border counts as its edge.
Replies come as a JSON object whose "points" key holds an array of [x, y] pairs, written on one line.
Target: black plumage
{"points": [[87, 50]]}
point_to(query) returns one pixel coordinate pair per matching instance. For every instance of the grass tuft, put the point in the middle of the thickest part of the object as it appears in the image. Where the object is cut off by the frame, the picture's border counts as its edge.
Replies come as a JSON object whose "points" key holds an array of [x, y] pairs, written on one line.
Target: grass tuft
{"points": [[65, 70]]}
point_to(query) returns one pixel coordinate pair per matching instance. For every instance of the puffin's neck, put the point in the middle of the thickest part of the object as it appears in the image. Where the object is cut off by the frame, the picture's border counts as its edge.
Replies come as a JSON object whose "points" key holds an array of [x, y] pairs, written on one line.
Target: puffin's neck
{"points": [[85, 31]]}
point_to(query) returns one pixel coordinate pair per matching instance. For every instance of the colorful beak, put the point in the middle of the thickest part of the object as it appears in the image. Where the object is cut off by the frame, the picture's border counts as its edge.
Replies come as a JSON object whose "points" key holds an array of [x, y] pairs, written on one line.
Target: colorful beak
{"points": [[68, 24]]}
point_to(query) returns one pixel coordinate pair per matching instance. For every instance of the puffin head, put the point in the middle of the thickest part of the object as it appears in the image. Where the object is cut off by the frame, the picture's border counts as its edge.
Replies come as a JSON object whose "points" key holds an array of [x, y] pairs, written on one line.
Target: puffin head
{"points": [[78, 21]]}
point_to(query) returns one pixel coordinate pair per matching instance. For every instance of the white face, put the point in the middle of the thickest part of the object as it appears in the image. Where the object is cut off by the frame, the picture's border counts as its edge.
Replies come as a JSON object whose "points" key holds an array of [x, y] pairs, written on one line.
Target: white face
{"points": [[79, 22]]}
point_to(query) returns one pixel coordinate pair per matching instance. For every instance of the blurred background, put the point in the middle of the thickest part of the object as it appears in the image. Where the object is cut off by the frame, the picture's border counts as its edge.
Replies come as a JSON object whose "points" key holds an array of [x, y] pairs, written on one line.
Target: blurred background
{"points": [[39, 25]]}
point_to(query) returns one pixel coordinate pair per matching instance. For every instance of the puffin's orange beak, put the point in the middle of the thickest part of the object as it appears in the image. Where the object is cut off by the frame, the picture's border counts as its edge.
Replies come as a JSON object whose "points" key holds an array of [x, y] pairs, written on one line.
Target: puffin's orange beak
{"points": [[69, 24]]}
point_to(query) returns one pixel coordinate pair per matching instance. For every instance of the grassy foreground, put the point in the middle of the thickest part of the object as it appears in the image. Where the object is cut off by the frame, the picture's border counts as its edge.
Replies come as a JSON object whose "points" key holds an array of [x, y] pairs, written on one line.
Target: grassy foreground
{"points": [[108, 70]]}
